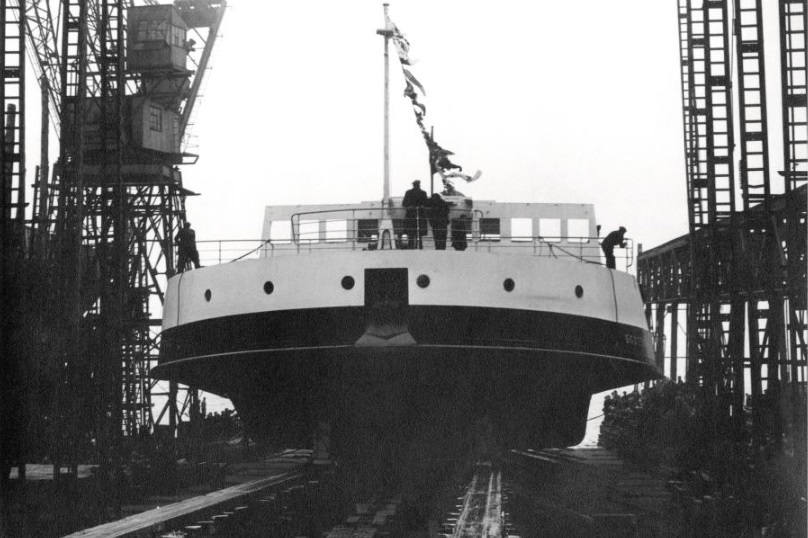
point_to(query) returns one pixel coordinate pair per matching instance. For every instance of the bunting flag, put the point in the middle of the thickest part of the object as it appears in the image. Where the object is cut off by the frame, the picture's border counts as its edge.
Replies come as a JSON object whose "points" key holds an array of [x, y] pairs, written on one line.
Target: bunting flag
{"points": [[468, 179], [414, 81], [438, 157], [409, 91], [401, 44]]}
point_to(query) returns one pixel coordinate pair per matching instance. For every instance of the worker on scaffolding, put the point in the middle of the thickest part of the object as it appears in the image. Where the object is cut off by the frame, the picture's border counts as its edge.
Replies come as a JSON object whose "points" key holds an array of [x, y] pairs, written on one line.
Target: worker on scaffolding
{"points": [[612, 240], [186, 248]]}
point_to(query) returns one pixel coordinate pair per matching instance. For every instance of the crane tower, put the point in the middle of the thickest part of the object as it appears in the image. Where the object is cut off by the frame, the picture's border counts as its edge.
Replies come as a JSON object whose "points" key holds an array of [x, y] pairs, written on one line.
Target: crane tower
{"points": [[120, 82], [741, 271]]}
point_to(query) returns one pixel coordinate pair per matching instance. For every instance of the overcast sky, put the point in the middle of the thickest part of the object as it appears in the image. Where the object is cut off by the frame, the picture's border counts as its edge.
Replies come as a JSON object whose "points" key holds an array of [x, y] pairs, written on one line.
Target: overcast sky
{"points": [[553, 101]]}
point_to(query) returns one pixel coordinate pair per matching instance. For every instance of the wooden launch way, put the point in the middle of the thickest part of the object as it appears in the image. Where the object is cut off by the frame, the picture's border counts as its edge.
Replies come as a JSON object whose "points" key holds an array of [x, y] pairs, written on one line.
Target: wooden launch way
{"points": [[283, 469], [590, 492], [574, 492]]}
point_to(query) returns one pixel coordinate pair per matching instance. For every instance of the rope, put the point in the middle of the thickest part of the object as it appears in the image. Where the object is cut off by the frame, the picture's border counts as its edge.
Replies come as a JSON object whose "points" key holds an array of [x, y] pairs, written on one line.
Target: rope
{"points": [[256, 249]]}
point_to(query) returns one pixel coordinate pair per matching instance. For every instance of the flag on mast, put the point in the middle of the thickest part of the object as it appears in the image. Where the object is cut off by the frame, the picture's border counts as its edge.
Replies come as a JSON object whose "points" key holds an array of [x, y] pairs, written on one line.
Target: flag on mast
{"points": [[438, 157], [412, 80], [400, 43]]}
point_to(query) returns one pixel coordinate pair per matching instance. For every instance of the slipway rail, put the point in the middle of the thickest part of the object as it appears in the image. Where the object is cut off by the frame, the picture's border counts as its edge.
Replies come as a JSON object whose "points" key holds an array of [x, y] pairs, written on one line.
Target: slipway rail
{"points": [[482, 515]]}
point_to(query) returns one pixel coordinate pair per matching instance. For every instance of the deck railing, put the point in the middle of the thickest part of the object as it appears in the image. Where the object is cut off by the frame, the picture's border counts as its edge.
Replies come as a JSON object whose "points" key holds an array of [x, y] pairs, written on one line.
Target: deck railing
{"points": [[583, 249], [360, 226], [219, 251]]}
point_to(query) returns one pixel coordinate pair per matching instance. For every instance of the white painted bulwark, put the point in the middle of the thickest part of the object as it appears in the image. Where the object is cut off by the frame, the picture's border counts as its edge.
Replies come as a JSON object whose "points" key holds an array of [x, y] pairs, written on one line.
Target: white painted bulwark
{"points": [[470, 279]]}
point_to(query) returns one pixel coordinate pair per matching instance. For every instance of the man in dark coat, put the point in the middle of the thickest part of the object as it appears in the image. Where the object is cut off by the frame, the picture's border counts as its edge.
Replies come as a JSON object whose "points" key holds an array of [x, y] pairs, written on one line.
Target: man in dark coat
{"points": [[459, 229], [612, 240], [439, 220], [415, 203], [186, 248]]}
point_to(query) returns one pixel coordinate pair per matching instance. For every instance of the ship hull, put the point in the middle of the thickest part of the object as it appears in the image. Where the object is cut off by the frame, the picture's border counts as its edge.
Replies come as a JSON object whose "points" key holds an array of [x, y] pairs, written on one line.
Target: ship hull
{"points": [[388, 346], [527, 374]]}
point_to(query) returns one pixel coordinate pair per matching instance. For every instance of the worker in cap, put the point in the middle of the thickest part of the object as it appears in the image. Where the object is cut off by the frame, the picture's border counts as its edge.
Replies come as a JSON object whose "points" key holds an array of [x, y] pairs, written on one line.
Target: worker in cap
{"points": [[186, 248], [615, 238], [415, 225]]}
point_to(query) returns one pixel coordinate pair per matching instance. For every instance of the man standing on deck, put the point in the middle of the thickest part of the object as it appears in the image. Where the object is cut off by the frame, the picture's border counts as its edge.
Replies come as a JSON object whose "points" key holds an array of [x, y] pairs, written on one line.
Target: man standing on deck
{"points": [[612, 240], [459, 229], [415, 202], [439, 220], [186, 248]]}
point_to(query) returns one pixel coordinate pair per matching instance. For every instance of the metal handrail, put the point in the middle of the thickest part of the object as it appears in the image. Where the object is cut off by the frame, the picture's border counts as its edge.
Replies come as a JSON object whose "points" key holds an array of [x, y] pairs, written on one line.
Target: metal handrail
{"points": [[583, 249], [397, 214], [230, 250]]}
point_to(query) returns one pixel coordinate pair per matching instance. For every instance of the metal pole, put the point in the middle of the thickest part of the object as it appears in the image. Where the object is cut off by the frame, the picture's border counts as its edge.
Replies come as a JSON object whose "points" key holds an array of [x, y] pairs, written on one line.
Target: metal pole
{"points": [[44, 171], [674, 341], [387, 32], [21, 121]]}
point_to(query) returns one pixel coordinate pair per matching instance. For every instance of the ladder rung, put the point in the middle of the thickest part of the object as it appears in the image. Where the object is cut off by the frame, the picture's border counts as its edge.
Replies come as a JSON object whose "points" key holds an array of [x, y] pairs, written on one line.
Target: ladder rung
{"points": [[750, 47], [796, 100]]}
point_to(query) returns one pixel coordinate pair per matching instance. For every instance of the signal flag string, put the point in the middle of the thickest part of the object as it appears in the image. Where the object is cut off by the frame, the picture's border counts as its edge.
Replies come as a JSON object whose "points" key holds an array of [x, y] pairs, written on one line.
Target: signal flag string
{"points": [[438, 157]]}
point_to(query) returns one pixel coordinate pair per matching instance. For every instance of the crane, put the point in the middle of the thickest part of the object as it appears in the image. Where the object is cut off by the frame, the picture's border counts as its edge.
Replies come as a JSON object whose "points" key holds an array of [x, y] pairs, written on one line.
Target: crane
{"points": [[120, 81]]}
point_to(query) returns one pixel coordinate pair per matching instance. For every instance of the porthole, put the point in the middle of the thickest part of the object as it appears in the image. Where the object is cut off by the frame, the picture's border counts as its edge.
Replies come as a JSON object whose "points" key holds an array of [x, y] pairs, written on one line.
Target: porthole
{"points": [[508, 284], [422, 281], [348, 282], [207, 295], [269, 287], [579, 291]]}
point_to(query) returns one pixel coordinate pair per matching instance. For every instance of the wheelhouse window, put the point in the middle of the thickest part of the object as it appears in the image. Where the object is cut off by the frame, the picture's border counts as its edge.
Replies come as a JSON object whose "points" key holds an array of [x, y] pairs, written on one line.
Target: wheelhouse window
{"points": [[521, 229], [280, 231], [308, 231], [550, 230], [336, 231], [489, 230], [367, 230], [578, 230]]}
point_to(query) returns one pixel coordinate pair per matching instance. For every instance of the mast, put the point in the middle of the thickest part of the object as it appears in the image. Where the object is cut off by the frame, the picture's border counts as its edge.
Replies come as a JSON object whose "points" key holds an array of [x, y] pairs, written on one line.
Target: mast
{"points": [[387, 32], [386, 231]]}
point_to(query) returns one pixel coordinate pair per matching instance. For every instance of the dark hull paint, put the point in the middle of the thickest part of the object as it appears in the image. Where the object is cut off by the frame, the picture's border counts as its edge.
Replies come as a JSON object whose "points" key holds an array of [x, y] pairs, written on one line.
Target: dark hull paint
{"points": [[468, 327], [525, 375]]}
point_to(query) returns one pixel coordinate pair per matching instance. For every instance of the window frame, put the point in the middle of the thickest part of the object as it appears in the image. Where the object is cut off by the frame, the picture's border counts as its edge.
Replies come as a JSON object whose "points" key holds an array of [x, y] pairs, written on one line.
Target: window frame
{"points": [[578, 239], [490, 235], [155, 119], [284, 225], [550, 238], [521, 238]]}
